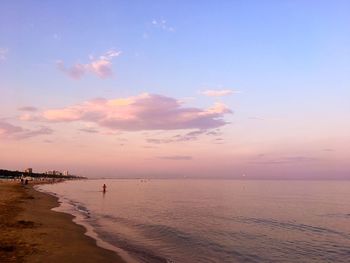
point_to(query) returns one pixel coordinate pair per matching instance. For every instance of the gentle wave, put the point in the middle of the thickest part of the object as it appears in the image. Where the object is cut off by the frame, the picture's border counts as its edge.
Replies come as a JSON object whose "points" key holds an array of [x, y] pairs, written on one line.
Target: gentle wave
{"points": [[290, 226], [82, 216], [213, 222]]}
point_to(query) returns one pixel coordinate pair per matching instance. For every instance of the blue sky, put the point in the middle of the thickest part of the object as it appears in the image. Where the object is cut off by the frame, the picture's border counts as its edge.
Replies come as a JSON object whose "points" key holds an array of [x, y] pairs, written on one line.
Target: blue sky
{"points": [[288, 61]]}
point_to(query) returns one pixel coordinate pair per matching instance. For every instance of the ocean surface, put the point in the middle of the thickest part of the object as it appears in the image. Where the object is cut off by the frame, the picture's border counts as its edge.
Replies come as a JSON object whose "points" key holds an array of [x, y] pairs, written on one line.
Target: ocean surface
{"points": [[213, 220]]}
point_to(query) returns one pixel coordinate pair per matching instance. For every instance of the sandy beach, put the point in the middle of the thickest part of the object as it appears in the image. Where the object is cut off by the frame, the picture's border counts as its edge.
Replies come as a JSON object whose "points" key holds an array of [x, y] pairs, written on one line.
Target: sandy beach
{"points": [[31, 232]]}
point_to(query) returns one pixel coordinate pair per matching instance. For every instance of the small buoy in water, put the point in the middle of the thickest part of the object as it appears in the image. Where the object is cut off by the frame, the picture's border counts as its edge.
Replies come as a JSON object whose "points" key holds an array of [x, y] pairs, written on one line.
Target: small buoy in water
{"points": [[104, 188]]}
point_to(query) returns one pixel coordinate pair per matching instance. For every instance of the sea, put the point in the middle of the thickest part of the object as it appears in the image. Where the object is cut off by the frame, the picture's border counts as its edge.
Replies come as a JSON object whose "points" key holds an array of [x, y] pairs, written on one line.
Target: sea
{"points": [[214, 221]]}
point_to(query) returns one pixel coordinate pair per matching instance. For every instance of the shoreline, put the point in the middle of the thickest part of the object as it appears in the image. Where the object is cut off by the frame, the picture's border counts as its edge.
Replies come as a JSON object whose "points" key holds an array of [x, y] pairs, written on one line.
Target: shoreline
{"points": [[30, 231]]}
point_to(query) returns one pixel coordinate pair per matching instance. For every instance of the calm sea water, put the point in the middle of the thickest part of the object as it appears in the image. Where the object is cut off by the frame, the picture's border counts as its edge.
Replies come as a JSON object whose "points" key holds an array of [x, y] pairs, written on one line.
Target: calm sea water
{"points": [[214, 220]]}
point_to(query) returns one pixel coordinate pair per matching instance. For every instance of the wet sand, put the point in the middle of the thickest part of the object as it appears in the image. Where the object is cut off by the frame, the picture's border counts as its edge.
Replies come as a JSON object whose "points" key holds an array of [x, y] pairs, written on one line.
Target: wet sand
{"points": [[31, 232]]}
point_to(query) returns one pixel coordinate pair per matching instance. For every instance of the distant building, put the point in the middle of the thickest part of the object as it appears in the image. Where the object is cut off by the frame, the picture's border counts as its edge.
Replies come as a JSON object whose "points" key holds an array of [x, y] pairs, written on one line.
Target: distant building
{"points": [[53, 172], [28, 170], [65, 173]]}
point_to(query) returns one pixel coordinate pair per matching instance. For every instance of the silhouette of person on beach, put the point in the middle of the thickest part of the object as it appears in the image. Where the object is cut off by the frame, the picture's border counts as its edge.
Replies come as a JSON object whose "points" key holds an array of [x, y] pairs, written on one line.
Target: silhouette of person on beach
{"points": [[104, 188]]}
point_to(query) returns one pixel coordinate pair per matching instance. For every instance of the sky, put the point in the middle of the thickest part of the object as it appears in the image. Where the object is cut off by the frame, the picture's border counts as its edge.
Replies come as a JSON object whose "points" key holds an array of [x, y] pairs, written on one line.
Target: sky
{"points": [[219, 89]]}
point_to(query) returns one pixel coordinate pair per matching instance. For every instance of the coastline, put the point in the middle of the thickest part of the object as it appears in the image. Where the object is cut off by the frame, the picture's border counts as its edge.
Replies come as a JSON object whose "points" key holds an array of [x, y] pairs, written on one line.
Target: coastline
{"points": [[31, 232]]}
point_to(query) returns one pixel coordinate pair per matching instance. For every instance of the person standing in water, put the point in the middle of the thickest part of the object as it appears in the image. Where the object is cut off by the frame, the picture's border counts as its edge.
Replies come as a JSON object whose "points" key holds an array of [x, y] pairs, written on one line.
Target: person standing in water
{"points": [[104, 188]]}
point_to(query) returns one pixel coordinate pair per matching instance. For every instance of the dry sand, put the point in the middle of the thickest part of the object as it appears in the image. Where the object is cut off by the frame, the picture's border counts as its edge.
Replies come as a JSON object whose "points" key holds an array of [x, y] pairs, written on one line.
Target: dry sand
{"points": [[31, 232]]}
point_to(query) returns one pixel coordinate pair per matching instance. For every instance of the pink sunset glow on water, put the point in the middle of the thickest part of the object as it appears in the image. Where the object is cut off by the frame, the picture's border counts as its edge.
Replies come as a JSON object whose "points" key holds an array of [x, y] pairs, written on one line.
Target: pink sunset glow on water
{"points": [[213, 220]]}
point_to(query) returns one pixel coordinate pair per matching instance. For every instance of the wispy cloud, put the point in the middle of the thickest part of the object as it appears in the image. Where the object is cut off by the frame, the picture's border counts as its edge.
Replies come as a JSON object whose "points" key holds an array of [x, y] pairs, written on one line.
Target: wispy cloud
{"points": [[143, 112], [216, 132], [10, 131], [218, 93], [32, 133], [88, 130], [28, 108], [162, 24], [159, 141], [284, 160], [176, 157], [7, 129], [189, 136], [3, 53], [328, 150], [101, 66]]}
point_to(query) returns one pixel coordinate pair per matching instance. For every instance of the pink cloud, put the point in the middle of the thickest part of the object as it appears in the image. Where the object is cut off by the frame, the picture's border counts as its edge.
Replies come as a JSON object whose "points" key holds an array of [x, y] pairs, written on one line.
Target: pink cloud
{"points": [[218, 93], [8, 130], [29, 116], [101, 67], [75, 72], [143, 112]]}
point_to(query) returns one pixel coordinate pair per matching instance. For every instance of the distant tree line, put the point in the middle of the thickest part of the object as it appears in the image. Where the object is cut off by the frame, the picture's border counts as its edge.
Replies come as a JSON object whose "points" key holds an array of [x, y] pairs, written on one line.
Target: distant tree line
{"points": [[17, 174]]}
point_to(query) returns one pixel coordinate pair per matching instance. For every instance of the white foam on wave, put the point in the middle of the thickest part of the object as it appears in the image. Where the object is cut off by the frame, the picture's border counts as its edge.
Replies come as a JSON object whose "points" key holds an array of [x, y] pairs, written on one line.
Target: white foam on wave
{"points": [[80, 218]]}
